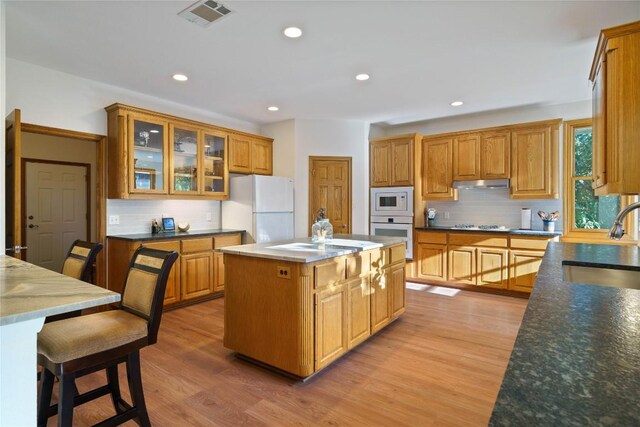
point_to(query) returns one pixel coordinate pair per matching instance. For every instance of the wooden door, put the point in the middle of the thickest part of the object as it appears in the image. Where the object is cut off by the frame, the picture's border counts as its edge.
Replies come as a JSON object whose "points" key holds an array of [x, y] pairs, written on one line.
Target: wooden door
{"points": [[239, 154], [13, 192], [437, 175], [172, 292], [358, 311], [262, 157], [534, 163], [432, 262], [402, 162], [495, 156], [524, 269], [466, 157], [380, 307], [56, 206], [197, 275], [330, 188], [398, 290], [380, 159], [462, 264], [331, 325], [492, 268]]}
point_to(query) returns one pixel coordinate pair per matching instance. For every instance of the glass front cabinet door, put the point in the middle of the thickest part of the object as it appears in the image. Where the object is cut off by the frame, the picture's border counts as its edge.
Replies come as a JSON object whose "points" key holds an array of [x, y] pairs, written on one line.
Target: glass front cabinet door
{"points": [[148, 143], [184, 143], [215, 158]]}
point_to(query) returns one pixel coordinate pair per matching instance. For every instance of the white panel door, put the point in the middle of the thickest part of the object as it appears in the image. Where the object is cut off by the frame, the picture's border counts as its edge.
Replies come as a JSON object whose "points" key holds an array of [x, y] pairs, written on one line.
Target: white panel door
{"points": [[56, 211]]}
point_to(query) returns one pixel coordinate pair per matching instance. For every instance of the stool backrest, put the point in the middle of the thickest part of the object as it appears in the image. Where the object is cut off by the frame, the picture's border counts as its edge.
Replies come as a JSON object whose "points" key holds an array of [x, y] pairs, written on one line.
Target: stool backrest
{"points": [[145, 284], [80, 259]]}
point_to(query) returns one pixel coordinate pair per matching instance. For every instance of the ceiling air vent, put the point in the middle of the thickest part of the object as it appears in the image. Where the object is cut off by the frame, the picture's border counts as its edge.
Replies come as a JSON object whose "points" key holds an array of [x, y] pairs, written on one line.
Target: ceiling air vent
{"points": [[204, 12]]}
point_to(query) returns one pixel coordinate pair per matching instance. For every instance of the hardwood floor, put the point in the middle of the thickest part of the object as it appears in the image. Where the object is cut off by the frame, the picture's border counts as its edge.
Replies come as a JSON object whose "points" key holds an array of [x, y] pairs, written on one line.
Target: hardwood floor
{"points": [[441, 364]]}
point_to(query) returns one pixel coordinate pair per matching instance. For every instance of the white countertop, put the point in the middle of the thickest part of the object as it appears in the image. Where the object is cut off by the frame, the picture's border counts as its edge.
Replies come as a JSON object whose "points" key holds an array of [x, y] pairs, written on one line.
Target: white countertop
{"points": [[29, 292], [303, 250]]}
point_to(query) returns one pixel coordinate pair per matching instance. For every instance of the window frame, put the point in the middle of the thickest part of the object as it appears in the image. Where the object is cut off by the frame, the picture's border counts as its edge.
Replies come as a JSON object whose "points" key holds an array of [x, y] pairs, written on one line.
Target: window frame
{"points": [[582, 235]]}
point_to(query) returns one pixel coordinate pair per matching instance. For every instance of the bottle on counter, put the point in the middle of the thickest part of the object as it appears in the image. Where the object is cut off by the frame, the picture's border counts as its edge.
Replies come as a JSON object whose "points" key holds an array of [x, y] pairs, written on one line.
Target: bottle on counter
{"points": [[322, 229], [155, 228]]}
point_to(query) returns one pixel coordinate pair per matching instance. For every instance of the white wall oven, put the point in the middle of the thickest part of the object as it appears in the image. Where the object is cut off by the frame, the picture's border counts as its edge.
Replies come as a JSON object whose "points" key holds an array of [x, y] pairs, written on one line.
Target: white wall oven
{"points": [[392, 214]]}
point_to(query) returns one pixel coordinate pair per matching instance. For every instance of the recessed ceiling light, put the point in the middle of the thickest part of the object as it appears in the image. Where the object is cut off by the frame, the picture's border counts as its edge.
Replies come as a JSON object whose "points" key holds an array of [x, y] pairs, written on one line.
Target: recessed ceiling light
{"points": [[154, 131], [456, 103], [180, 77], [362, 77], [292, 32], [273, 108]]}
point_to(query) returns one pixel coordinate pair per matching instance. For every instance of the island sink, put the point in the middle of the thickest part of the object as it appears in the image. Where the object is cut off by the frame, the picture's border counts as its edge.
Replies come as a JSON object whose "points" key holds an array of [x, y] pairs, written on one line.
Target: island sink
{"points": [[610, 277]]}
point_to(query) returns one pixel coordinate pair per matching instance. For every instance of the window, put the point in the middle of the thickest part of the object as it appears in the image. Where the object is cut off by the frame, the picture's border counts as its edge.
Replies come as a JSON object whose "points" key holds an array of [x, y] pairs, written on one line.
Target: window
{"points": [[587, 217]]}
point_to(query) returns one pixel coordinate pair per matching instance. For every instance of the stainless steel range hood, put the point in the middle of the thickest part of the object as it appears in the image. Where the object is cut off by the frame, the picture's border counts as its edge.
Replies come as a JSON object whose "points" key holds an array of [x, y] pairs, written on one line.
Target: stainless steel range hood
{"points": [[481, 183]]}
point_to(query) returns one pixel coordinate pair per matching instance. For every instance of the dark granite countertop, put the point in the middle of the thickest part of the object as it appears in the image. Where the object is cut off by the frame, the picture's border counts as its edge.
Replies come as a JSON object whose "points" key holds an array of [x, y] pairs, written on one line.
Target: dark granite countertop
{"points": [[576, 360], [498, 231], [174, 234]]}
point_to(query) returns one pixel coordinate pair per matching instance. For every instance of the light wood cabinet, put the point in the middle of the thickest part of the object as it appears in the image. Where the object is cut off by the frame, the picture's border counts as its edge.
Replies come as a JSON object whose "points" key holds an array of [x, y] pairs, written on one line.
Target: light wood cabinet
{"points": [[615, 75], [524, 269], [466, 157], [250, 155], [534, 162], [432, 262], [493, 269], [331, 325], [397, 290], [358, 311], [437, 164], [495, 155], [462, 264], [380, 301], [392, 161], [197, 274]]}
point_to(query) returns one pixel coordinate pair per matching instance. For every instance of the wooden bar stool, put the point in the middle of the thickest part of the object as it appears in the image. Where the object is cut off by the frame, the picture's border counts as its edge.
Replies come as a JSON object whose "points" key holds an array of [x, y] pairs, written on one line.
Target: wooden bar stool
{"points": [[71, 348]]}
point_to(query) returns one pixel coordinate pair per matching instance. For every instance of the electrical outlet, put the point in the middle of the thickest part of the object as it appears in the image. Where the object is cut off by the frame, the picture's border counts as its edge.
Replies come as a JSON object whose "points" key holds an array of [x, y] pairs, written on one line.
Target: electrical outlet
{"points": [[446, 215], [208, 216], [283, 272], [114, 219]]}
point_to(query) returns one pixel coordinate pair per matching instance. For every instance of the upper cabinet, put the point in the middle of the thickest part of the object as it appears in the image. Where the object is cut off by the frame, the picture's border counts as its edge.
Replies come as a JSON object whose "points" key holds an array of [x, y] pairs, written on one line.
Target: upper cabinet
{"points": [[154, 155], [437, 176], [534, 162], [615, 75], [481, 156], [392, 161], [250, 155]]}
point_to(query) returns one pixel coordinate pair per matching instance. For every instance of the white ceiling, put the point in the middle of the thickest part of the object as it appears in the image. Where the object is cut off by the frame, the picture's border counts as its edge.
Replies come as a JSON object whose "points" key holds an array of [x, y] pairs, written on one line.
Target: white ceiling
{"points": [[421, 55]]}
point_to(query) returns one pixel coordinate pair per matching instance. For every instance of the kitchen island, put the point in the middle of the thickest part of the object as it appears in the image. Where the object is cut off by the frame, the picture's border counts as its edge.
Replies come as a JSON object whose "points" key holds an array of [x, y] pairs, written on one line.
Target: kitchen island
{"points": [[297, 306], [576, 360]]}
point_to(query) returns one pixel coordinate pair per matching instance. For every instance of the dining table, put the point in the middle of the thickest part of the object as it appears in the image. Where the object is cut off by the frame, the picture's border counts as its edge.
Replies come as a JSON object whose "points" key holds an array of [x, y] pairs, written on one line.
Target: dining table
{"points": [[28, 294]]}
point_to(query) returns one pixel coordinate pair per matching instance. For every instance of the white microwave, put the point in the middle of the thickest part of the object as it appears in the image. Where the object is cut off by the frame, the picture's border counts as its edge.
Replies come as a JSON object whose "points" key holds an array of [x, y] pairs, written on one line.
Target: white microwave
{"points": [[392, 201]]}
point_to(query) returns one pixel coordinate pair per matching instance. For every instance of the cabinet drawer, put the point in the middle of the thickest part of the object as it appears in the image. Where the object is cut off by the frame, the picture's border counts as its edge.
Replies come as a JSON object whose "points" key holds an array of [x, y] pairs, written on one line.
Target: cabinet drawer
{"points": [[529, 243], [227, 240], [396, 254], [470, 239], [329, 272], [196, 245], [432, 237], [172, 245], [379, 258], [358, 264]]}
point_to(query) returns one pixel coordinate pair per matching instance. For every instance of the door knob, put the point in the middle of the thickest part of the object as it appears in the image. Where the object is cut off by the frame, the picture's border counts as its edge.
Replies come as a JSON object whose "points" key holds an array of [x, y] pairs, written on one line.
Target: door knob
{"points": [[345, 226], [30, 216], [17, 249], [33, 226]]}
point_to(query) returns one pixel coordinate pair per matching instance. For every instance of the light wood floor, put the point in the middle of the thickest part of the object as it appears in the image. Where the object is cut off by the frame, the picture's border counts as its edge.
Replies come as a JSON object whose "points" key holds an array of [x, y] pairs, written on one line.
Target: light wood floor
{"points": [[441, 364]]}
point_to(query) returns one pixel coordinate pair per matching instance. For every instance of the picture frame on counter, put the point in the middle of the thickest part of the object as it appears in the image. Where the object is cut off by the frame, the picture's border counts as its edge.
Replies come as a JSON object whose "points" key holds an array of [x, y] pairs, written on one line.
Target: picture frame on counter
{"points": [[168, 224]]}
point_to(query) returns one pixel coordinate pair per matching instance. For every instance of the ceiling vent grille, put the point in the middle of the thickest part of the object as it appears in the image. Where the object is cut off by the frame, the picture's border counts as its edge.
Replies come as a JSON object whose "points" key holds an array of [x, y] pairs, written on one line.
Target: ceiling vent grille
{"points": [[205, 12]]}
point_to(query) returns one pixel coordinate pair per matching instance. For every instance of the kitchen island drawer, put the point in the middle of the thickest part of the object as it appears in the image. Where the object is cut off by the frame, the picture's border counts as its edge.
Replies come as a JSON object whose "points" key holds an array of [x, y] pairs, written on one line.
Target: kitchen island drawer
{"points": [[329, 272], [470, 239], [358, 264], [196, 245]]}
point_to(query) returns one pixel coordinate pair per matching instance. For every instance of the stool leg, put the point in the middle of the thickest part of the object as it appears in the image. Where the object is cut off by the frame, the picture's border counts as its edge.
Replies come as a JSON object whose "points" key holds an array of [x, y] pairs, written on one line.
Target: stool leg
{"points": [[65, 402], [46, 388], [135, 387], [114, 387]]}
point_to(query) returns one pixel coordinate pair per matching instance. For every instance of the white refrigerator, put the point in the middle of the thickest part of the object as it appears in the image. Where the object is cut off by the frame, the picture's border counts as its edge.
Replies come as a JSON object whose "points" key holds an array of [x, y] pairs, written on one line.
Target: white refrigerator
{"points": [[262, 206]]}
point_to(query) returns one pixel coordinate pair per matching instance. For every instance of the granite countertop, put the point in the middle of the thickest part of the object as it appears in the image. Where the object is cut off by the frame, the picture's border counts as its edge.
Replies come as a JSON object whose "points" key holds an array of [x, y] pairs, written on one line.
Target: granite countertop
{"points": [[514, 231], [576, 360], [29, 292], [174, 234], [303, 250]]}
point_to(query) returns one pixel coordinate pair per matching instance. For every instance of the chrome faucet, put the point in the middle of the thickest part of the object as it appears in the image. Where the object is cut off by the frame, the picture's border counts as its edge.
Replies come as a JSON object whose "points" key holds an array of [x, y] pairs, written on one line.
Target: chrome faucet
{"points": [[617, 231]]}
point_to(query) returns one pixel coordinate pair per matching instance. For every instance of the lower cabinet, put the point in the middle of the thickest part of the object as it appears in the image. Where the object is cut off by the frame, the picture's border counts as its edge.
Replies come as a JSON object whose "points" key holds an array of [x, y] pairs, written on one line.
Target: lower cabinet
{"points": [[462, 264], [197, 275], [492, 268], [331, 325], [524, 269], [172, 293], [380, 310], [358, 311], [397, 286], [431, 262], [218, 269]]}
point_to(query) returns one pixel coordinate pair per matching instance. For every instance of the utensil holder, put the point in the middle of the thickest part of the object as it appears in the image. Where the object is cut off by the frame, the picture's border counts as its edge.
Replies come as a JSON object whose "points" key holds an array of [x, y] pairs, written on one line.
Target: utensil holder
{"points": [[548, 225]]}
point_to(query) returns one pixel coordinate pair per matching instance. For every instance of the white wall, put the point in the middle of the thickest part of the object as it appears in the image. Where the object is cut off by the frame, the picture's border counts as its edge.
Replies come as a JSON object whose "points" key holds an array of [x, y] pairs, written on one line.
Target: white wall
{"points": [[346, 138], [284, 147], [494, 206], [3, 114], [52, 98]]}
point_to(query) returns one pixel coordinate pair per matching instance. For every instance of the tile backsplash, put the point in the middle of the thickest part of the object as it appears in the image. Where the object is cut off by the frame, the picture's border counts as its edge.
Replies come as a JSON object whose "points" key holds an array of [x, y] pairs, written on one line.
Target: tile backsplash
{"points": [[493, 206], [135, 215]]}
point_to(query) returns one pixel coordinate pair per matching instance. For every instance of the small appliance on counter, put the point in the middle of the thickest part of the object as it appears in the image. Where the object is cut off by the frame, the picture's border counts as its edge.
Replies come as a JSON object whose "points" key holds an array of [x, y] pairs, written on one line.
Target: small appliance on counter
{"points": [[525, 219], [392, 214]]}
